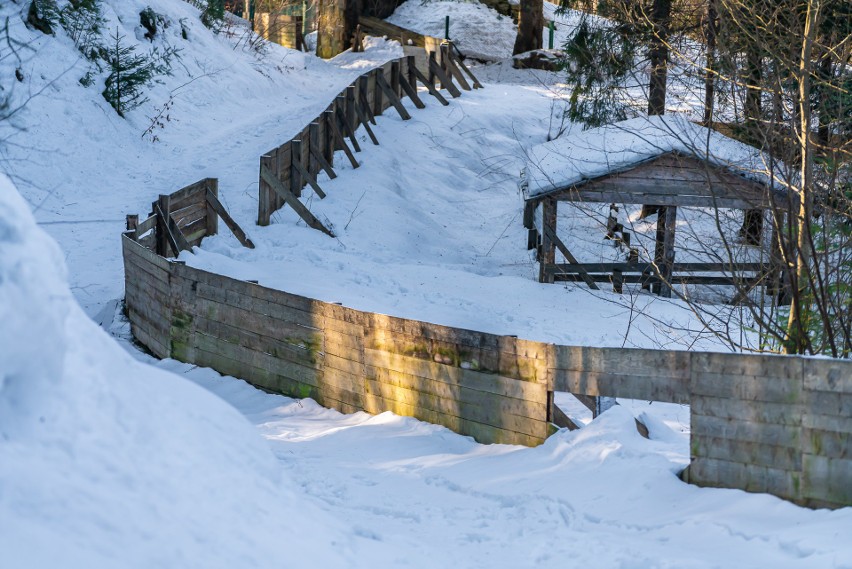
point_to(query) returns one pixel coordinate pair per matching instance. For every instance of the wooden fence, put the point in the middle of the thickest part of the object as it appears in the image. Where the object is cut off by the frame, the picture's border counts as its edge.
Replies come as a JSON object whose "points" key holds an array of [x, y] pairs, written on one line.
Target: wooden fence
{"points": [[772, 424], [287, 169]]}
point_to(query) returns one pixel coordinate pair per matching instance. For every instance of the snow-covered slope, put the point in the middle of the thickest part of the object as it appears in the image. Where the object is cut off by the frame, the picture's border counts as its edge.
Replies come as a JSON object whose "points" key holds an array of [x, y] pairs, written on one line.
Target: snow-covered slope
{"points": [[107, 462]]}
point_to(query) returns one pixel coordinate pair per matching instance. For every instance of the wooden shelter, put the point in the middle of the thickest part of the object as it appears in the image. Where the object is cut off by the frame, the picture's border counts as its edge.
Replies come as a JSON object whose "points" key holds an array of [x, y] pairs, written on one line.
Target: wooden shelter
{"points": [[662, 163]]}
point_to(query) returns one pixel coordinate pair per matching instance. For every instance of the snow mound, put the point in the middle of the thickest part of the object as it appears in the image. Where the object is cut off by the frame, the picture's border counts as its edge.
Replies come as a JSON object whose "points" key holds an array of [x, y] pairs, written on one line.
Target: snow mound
{"points": [[115, 463]]}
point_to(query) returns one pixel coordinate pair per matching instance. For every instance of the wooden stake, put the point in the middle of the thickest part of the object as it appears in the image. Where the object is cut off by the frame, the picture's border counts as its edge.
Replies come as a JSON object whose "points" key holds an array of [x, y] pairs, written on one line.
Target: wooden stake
{"points": [[394, 99], [445, 81]]}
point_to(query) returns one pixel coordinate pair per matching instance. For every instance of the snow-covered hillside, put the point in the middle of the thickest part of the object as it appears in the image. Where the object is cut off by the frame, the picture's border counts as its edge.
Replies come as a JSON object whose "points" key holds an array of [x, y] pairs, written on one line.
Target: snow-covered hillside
{"points": [[116, 460]]}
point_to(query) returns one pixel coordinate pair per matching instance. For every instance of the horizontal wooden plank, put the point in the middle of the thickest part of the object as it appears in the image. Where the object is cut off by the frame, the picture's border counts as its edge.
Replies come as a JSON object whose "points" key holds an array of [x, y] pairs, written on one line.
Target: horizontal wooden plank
{"points": [[745, 452], [145, 226], [747, 387], [470, 379], [188, 214], [152, 340], [294, 371], [624, 361], [131, 247], [191, 191], [720, 473], [812, 419], [827, 479], [828, 375], [485, 434], [754, 411], [631, 386], [302, 352], [487, 413], [831, 444], [829, 403], [770, 366], [335, 379], [789, 436], [456, 393], [258, 323]]}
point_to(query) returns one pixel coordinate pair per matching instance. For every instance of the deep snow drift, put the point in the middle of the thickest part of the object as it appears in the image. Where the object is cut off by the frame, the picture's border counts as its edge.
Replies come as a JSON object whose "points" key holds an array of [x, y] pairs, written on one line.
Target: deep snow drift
{"points": [[107, 462]]}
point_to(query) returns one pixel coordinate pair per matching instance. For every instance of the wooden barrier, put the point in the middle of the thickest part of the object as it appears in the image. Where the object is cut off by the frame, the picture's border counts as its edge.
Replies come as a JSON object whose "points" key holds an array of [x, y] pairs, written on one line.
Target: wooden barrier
{"points": [[287, 169], [760, 423]]}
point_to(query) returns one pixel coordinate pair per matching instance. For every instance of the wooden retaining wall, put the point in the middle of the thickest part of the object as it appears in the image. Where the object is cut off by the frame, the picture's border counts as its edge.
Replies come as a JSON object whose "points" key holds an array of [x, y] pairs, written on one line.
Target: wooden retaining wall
{"points": [[772, 424]]}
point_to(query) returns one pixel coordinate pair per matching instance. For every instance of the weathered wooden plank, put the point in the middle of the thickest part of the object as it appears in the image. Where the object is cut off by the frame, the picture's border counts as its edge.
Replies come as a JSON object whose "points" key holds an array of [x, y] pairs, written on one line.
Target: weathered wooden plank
{"points": [[155, 342], [829, 402], [257, 323], [746, 452], [722, 473], [458, 393], [334, 379], [550, 234], [755, 411], [645, 193], [316, 151], [607, 384], [307, 352], [187, 215], [192, 193], [813, 419], [789, 436], [411, 91], [292, 370], [422, 402], [828, 443], [746, 387], [444, 79], [331, 121], [827, 479], [828, 375], [624, 361], [346, 125], [144, 227], [469, 379]]}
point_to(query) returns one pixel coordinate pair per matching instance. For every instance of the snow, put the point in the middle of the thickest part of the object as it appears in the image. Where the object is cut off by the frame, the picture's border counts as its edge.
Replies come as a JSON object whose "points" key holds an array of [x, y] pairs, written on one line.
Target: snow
{"points": [[589, 154], [108, 462], [110, 458]]}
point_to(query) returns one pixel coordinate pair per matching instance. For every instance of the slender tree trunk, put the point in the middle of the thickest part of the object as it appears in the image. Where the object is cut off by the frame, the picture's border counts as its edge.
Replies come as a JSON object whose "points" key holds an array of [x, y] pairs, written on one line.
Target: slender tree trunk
{"points": [[530, 26], [797, 324], [710, 33], [661, 15]]}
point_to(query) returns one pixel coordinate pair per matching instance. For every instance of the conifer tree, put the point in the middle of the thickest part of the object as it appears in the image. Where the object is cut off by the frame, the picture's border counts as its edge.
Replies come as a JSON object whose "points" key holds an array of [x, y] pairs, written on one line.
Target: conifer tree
{"points": [[129, 74]]}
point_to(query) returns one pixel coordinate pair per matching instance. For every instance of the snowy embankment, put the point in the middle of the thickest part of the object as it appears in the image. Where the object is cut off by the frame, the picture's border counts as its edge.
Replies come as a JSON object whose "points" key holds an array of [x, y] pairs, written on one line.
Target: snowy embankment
{"points": [[107, 462]]}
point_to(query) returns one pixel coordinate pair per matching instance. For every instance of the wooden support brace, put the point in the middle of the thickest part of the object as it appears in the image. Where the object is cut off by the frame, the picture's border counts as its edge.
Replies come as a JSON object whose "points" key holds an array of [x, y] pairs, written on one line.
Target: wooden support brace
{"points": [[362, 116], [168, 233], [332, 123], [445, 81], [220, 210], [347, 128], [432, 91], [568, 256], [412, 94], [319, 157], [460, 63], [453, 69], [309, 178], [293, 202], [392, 97]]}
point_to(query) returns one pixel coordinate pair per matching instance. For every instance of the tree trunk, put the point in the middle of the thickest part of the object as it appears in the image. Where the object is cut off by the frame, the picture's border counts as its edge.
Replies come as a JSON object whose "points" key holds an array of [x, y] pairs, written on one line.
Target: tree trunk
{"points": [[661, 15], [530, 26], [336, 22], [797, 340], [710, 33]]}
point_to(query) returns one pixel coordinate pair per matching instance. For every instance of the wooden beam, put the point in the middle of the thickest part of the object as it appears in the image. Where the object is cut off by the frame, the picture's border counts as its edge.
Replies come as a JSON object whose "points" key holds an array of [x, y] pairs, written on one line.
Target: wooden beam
{"points": [[547, 251], [309, 178], [447, 56], [551, 234], [412, 94], [220, 210], [317, 153], [460, 63], [293, 202], [445, 81], [364, 82], [365, 122], [212, 225], [676, 267], [432, 91], [392, 97], [331, 121], [161, 239], [296, 182], [347, 128], [668, 251]]}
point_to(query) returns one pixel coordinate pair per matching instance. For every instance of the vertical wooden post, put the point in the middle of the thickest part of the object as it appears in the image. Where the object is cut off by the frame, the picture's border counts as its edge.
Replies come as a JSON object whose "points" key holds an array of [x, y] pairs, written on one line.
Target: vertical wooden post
{"points": [[212, 218], [132, 221], [161, 238], [668, 251], [314, 139], [295, 178], [658, 247], [412, 78], [548, 247], [349, 108], [377, 92], [394, 78], [431, 72], [264, 194]]}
